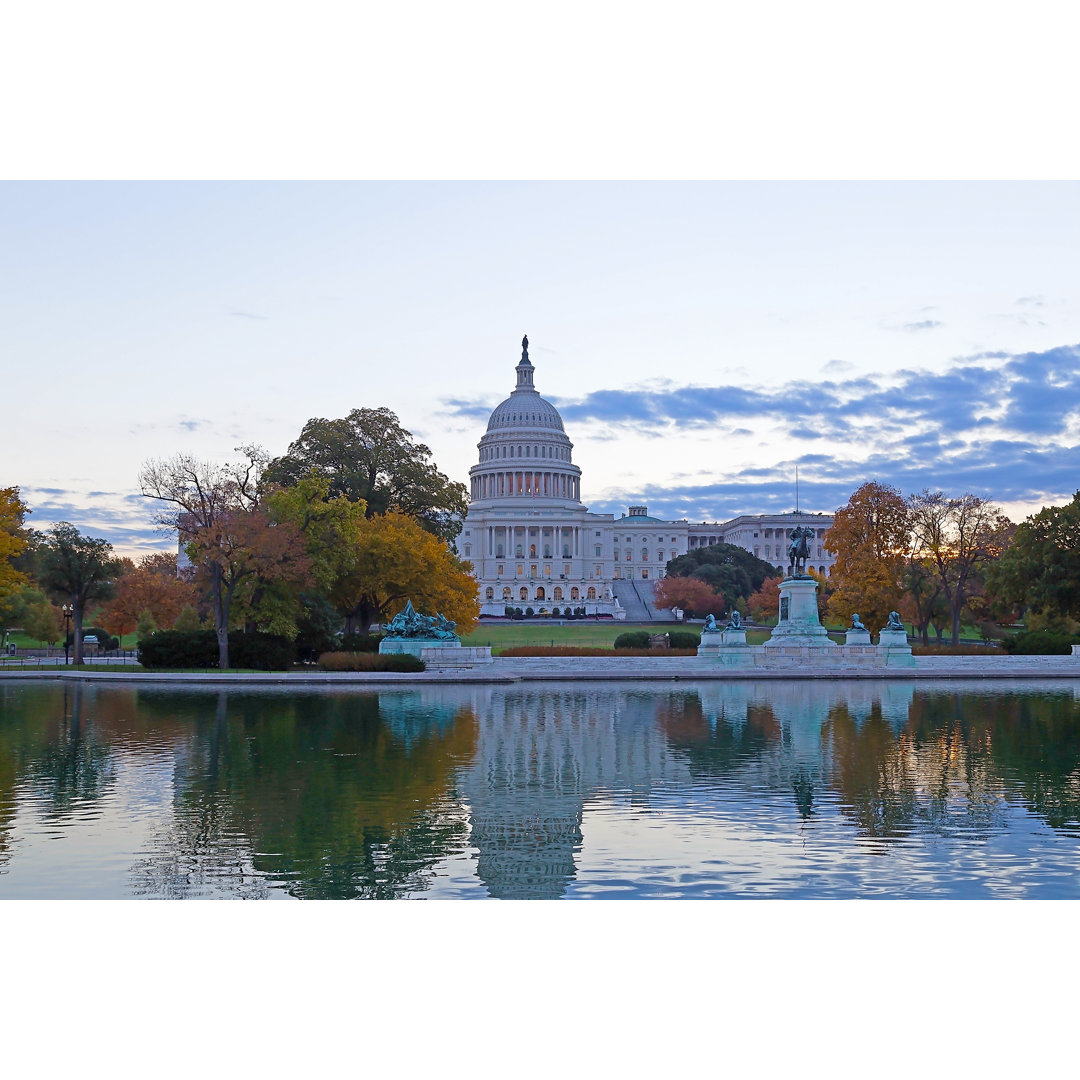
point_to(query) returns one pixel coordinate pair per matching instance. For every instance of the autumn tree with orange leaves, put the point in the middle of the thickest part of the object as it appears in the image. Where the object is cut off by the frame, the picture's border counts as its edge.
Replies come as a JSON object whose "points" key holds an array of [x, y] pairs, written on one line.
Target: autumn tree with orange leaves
{"points": [[151, 586], [695, 597], [231, 540]]}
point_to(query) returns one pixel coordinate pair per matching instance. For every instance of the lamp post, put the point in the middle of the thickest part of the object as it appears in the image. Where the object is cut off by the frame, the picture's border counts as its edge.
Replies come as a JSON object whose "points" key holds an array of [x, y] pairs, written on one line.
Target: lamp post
{"points": [[68, 610]]}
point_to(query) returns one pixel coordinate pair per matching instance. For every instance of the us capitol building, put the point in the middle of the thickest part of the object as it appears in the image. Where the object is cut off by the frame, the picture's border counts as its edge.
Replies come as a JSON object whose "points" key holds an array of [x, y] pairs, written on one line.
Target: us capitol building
{"points": [[533, 543]]}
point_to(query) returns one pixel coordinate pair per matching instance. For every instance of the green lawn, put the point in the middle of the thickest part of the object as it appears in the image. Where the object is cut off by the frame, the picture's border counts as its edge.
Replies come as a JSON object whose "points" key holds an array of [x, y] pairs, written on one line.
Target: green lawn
{"points": [[594, 634]]}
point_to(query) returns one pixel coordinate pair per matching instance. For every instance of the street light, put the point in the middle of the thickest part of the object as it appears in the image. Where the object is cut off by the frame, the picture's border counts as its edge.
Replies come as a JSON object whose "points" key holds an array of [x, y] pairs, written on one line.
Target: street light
{"points": [[68, 611]]}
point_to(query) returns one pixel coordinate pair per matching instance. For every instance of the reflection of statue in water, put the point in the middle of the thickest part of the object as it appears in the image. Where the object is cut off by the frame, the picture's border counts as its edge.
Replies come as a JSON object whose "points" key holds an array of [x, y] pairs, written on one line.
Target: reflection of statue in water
{"points": [[408, 623], [710, 624], [735, 623], [799, 549], [894, 622], [856, 622]]}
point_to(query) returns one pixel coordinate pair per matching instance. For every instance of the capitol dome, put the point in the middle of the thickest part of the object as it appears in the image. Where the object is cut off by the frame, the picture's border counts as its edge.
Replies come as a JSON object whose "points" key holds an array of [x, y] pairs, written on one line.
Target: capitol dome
{"points": [[525, 452]]}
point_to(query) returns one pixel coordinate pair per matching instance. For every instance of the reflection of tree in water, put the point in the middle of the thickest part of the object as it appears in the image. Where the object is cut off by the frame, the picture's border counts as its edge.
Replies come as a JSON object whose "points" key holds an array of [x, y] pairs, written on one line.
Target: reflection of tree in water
{"points": [[1029, 742], [717, 745], [317, 791], [949, 767], [872, 773], [50, 740]]}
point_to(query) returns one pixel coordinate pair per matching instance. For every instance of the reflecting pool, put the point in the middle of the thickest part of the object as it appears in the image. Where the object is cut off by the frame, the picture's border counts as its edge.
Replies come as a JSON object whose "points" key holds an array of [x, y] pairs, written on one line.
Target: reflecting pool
{"points": [[640, 790]]}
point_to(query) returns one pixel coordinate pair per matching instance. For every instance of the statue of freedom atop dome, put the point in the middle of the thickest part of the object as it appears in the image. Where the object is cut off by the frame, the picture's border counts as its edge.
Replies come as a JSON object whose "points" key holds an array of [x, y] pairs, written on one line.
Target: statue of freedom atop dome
{"points": [[525, 348]]}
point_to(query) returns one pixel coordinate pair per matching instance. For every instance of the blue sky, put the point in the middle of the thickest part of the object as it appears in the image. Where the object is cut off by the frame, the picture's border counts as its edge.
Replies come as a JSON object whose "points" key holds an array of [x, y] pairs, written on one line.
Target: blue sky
{"points": [[701, 339]]}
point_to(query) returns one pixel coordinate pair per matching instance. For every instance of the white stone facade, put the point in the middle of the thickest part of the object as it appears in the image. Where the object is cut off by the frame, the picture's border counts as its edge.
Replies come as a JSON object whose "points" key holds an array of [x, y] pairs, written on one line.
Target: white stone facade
{"points": [[534, 544]]}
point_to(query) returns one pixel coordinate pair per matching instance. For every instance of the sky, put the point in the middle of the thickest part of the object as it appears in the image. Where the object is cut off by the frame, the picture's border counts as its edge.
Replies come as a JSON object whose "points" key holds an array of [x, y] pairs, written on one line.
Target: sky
{"points": [[701, 339]]}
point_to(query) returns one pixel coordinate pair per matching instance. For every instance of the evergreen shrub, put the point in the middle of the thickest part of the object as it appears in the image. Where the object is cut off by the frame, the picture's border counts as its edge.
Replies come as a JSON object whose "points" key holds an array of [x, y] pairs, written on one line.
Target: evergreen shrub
{"points": [[1039, 643], [683, 639], [633, 639], [359, 643]]}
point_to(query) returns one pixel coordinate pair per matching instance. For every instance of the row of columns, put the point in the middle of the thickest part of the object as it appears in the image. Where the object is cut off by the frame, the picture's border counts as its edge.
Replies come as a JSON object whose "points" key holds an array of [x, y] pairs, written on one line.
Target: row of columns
{"points": [[557, 484], [558, 532]]}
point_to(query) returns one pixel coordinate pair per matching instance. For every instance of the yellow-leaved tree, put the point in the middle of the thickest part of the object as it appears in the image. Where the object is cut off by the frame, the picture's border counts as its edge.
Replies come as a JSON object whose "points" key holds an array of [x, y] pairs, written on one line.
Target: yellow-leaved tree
{"points": [[394, 560], [870, 538], [12, 512]]}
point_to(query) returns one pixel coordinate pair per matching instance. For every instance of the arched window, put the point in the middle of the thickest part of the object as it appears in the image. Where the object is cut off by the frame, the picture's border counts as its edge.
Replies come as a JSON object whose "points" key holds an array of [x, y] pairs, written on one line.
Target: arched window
{"points": [[557, 594], [591, 594], [489, 593], [540, 595], [574, 594], [507, 594], [523, 593]]}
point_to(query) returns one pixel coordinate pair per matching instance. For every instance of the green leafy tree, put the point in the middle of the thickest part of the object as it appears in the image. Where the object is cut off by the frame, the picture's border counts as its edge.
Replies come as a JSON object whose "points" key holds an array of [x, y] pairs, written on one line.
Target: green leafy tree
{"points": [[43, 620], [188, 620], [731, 572], [146, 624], [77, 569], [1040, 568], [369, 458]]}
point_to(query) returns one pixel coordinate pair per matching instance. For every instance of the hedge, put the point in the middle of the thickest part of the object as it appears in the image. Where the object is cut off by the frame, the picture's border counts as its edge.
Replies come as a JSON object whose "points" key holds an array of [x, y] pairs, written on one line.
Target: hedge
{"points": [[1039, 643], [633, 639], [365, 661], [199, 649], [683, 639]]}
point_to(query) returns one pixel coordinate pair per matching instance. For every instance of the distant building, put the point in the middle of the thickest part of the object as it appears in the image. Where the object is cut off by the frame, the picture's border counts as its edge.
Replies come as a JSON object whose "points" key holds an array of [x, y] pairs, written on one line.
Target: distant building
{"points": [[533, 543]]}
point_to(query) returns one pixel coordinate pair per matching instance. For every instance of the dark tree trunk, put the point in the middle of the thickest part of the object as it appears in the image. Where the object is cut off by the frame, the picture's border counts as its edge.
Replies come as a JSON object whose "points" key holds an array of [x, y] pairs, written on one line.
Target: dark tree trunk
{"points": [[77, 641]]}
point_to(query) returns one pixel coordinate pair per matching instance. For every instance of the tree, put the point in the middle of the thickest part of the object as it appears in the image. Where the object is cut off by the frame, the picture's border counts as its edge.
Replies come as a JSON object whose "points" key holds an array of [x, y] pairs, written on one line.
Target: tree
{"points": [[43, 620], [12, 513], [731, 572], [1040, 568], [78, 569], [395, 560], [151, 586], [188, 620], [230, 540], [922, 602], [146, 624], [959, 538], [369, 458], [870, 539], [696, 597], [765, 603]]}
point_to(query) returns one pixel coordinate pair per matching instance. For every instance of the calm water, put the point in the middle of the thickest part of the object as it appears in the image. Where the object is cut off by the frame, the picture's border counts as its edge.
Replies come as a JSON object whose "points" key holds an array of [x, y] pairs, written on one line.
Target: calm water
{"points": [[619, 790]]}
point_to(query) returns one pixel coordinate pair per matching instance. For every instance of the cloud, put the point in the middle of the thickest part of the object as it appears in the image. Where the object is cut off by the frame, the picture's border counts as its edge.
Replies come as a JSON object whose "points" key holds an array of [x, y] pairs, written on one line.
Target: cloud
{"points": [[248, 315], [1002, 425], [1030, 301], [924, 324]]}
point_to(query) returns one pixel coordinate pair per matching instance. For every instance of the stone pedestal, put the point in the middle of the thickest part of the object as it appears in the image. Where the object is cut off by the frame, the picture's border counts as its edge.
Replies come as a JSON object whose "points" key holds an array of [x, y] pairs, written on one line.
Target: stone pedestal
{"points": [[857, 637], [799, 623], [711, 640], [733, 636], [415, 646], [893, 645]]}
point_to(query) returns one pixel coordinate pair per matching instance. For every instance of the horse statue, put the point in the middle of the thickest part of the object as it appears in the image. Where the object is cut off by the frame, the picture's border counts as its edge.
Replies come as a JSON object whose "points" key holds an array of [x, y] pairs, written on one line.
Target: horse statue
{"points": [[799, 549]]}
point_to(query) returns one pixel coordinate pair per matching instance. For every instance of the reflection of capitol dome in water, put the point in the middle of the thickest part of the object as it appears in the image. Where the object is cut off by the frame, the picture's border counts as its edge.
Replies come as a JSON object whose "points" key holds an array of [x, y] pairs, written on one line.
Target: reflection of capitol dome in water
{"points": [[542, 755]]}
